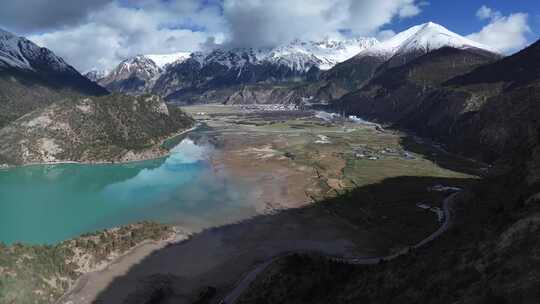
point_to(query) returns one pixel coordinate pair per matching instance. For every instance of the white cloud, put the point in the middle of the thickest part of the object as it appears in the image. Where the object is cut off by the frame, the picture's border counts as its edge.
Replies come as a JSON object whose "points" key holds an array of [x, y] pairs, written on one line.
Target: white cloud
{"points": [[40, 15], [269, 22], [484, 12], [118, 32], [409, 10], [504, 33], [366, 17], [108, 33], [385, 35]]}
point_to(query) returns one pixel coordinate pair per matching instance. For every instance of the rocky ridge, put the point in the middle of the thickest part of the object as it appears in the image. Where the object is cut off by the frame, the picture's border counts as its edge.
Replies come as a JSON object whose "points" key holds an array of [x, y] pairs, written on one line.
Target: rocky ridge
{"points": [[113, 128], [32, 77]]}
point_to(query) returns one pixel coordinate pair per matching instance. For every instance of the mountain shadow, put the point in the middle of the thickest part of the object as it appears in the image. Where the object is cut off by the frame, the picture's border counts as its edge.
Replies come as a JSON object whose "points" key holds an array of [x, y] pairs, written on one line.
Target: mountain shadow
{"points": [[369, 221]]}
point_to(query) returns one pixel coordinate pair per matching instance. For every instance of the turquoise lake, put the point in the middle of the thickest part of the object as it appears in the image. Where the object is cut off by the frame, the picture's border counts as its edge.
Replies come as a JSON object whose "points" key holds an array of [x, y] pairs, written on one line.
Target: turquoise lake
{"points": [[49, 203]]}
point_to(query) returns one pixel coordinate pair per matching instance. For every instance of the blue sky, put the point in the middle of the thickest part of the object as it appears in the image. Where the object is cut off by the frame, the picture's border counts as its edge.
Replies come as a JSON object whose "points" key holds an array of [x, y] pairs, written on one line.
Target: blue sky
{"points": [[98, 34], [460, 16]]}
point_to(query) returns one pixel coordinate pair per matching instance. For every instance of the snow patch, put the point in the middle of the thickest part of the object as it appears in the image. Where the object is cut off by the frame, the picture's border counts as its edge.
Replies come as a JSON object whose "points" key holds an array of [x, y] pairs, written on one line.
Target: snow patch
{"points": [[161, 60]]}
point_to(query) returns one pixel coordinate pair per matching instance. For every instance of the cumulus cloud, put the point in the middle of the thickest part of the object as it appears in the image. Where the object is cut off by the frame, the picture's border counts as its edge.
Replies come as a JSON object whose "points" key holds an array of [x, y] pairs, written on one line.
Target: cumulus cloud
{"points": [[262, 23], [366, 17], [42, 15], [117, 32], [270, 22], [100, 33], [385, 35], [485, 12], [504, 33]]}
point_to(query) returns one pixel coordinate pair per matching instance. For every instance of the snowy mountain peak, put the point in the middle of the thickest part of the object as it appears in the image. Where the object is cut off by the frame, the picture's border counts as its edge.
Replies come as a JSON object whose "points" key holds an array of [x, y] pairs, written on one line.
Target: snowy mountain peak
{"points": [[10, 52], [147, 66], [161, 60], [298, 55], [423, 38], [21, 53], [139, 65], [5, 34], [430, 36], [323, 54], [96, 75]]}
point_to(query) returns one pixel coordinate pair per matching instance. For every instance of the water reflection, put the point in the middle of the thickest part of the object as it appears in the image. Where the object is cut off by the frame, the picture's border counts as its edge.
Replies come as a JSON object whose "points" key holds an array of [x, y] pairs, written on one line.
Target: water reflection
{"points": [[47, 204]]}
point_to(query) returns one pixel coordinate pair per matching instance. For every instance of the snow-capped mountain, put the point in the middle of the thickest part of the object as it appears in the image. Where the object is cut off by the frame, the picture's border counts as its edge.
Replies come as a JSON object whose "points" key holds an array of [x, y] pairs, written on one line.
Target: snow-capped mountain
{"points": [[136, 75], [326, 53], [422, 39], [21, 53], [292, 61], [140, 66], [396, 51], [352, 62], [161, 60], [299, 56], [133, 75], [96, 74], [32, 77]]}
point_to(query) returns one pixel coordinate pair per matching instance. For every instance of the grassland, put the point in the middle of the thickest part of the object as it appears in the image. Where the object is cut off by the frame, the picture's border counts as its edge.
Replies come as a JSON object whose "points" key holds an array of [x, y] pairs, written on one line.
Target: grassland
{"points": [[339, 154], [363, 174]]}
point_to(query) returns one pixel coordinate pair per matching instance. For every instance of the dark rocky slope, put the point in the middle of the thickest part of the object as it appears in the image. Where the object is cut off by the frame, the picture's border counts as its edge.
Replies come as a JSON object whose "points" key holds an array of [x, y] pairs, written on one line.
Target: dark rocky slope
{"points": [[222, 75], [133, 76], [417, 96], [32, 77], [23, 91], [491, 254], [98, 129]]}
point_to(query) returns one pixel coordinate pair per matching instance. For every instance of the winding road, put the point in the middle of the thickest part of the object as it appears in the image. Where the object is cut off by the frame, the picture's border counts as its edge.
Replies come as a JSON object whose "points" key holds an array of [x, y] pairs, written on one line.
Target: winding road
{"points": [[243, 284]]}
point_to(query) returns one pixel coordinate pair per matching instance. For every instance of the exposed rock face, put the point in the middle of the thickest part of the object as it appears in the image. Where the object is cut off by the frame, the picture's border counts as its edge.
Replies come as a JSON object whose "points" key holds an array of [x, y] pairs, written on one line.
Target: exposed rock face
{"points": [[32, 77], [487, 111], [218, 73], [225, 71], [98, 129], [405, 47], [96, 75], [261, 94], [133, 76]]}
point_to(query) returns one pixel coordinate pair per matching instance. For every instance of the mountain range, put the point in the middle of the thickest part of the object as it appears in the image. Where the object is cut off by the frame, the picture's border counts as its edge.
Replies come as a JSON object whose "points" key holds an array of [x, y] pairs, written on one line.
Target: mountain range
{"points": [[313, 70], [426, 80], [32, 77], [49, 112]]}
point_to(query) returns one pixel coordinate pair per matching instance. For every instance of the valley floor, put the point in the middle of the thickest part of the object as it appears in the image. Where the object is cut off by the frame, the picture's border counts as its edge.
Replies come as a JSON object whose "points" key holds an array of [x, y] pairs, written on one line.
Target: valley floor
{"points": [[306, 168]]}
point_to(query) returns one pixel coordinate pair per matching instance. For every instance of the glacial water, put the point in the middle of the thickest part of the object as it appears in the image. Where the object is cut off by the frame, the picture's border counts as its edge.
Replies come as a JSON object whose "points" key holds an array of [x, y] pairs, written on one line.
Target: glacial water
{"points": [[49, 203]]}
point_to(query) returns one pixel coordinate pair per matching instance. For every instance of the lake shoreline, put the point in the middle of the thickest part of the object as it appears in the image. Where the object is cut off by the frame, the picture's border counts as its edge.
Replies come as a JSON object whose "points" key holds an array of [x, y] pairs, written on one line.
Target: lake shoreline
{"points": [[155, 156], [180, 235], [289, 169]]}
